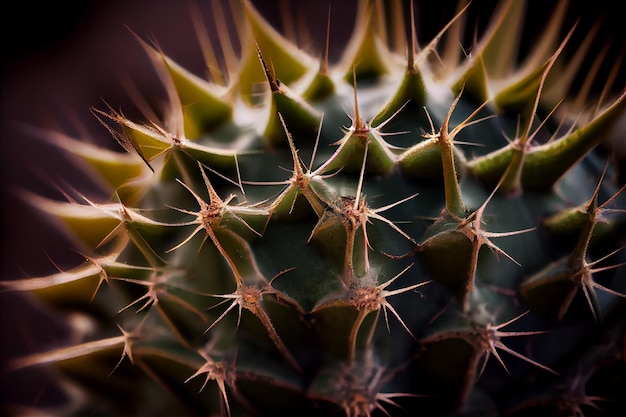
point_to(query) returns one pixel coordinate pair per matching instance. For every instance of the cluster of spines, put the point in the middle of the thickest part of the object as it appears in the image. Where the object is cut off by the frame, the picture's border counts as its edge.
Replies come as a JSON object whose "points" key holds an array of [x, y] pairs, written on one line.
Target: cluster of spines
{"points": [[362, 149]]}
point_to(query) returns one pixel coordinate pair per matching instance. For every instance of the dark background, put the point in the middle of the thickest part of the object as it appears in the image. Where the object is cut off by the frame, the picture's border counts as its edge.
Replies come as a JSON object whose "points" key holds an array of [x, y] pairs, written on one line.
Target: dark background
{"points": [[58, 60]]}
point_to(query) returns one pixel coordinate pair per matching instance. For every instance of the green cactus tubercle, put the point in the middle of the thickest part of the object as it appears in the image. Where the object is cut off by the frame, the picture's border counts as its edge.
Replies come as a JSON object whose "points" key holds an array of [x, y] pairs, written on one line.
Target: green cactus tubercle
{"points": [[412, 230]]}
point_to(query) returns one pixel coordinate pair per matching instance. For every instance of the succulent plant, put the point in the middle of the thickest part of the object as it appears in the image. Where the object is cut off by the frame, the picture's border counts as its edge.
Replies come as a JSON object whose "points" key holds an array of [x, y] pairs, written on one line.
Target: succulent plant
{"points": [[417, 228]]}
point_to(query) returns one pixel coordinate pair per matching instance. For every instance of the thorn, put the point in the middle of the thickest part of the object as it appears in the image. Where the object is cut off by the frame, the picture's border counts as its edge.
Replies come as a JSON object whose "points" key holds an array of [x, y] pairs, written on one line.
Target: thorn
{"points": [[359, 125], [324, 63], [317, 141], [297, 167], [413, 40], [121, 138], [205, 43], [359, 187], [269, 71]]}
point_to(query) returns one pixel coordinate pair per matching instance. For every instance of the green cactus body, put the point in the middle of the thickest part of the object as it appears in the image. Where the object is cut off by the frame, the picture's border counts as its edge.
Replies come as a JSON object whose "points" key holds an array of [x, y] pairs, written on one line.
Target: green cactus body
{"points": [[334, 245]]}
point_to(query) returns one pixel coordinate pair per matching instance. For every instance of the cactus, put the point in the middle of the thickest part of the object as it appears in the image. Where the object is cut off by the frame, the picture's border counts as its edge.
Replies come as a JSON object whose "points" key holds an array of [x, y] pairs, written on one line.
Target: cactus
{"points": [[411, 229]]}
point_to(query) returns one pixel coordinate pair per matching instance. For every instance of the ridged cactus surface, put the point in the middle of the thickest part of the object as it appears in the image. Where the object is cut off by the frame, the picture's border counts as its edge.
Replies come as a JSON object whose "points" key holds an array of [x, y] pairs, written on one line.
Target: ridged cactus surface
{"points": [[419, 228]]}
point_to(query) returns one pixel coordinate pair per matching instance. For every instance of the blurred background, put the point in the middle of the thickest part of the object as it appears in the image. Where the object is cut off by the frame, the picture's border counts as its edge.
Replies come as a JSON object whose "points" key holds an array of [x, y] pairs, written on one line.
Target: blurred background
{"points": [[59, 60]]}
